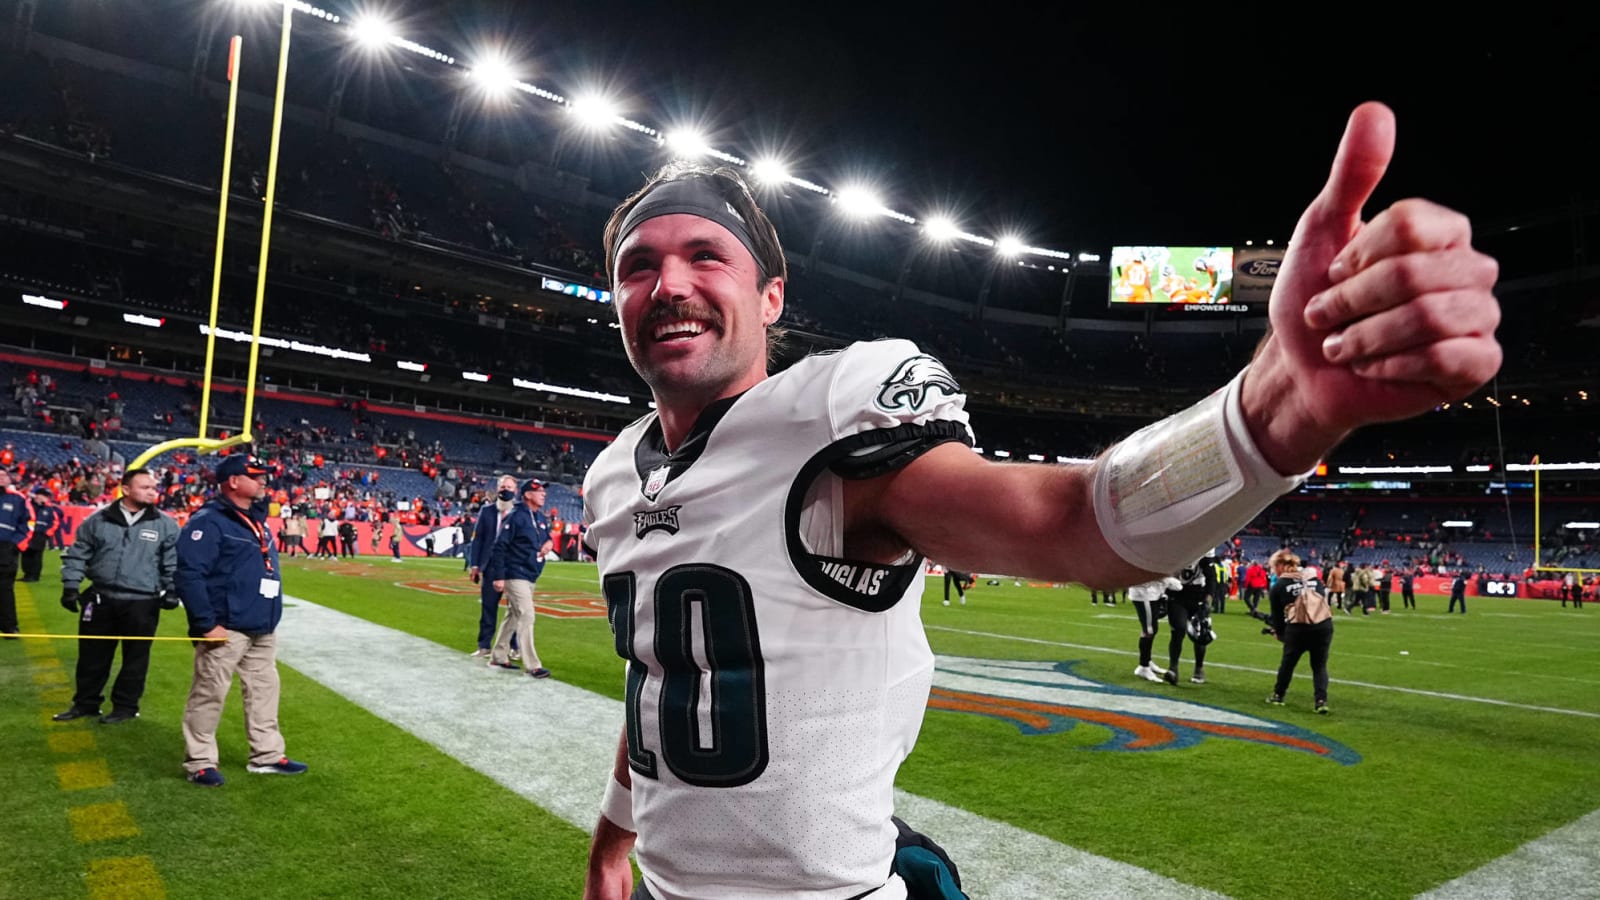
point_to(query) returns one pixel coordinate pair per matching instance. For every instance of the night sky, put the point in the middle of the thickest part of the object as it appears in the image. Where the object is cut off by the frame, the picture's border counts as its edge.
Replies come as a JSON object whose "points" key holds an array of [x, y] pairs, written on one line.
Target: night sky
{"points": [[1124, 124], [1073, 129]]}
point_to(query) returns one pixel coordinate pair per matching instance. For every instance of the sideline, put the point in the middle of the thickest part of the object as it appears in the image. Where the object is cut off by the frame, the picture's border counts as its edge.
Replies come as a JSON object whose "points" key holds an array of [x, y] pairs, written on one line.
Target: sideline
{"points": [[1563, 863], [496, 721]]}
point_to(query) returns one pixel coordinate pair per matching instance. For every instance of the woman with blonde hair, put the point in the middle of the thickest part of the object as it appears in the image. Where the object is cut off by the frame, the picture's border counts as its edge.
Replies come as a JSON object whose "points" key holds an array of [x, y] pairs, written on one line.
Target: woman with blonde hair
{"points": [[1302, 620]]}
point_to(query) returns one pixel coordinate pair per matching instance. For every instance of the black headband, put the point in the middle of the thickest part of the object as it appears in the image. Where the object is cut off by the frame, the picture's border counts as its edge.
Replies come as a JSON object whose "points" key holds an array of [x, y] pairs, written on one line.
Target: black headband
{"points": [[692, 196]]}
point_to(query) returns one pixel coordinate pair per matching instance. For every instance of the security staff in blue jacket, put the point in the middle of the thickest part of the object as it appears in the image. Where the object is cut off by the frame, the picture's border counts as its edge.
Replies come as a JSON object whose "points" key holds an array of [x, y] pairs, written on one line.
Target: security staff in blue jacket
{"points": [[16, 532], [491, 519], [518, 558], [46, 522], [232, 590]]}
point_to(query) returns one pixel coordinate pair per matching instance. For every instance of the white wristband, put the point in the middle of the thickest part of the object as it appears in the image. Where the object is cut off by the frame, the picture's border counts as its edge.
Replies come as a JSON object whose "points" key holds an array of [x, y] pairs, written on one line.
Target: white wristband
{"points": [[1174, 490], [617, 805]]}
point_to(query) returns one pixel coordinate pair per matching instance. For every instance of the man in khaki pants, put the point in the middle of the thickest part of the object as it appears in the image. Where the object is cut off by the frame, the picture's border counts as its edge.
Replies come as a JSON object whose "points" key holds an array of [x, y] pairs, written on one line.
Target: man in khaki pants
{"points": [[518, 557], [232, 590]]}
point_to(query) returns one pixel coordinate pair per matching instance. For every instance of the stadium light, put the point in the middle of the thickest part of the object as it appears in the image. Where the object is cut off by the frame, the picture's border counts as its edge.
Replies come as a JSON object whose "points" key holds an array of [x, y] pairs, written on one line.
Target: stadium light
{"points": [[372, 32], [769, 171], [941, 228], [494, 75], [593, 111], [1009, 246], [1458, 523], [1088, 257], [858, 202], [686, 143], [1587, 526]]}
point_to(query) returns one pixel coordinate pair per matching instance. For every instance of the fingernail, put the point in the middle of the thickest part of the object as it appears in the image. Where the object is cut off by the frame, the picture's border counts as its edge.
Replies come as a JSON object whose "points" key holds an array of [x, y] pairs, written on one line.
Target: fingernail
{"points": [[1338, 270], [1331, 345], [1315, 309]]}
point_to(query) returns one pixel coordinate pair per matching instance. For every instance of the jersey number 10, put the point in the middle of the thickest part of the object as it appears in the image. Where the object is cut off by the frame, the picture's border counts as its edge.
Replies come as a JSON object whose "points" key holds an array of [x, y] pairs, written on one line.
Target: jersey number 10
{"points": [[712, 704]]}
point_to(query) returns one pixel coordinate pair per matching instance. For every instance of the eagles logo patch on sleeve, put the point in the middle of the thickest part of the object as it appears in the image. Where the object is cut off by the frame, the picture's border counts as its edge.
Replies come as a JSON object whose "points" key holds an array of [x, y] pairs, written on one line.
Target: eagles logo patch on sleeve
{"points": [[913, 381]]}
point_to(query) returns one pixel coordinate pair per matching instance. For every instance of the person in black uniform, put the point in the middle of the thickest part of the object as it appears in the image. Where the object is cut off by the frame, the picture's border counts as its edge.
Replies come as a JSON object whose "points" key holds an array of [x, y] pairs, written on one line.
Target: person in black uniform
{"points": [[1299, 638], [1385, 585], [959, 579], [1458, 592], [1189, 615], [16, 533], [1408, 594], [46, 521]]}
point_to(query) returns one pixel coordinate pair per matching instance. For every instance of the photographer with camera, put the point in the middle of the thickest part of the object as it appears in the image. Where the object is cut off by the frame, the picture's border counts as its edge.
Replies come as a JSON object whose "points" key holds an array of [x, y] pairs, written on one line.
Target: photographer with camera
{"points": [[128, 551], [1302, 619]]}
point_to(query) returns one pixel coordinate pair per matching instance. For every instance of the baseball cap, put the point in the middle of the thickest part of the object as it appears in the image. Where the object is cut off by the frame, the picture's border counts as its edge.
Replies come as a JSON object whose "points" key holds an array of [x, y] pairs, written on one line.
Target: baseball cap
{"points": [[531, 484], [240, 465]]}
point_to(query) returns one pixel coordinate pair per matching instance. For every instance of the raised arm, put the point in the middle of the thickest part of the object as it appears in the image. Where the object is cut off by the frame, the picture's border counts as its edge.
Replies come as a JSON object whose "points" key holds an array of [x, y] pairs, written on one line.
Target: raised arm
{"points": [[1370, 323]]}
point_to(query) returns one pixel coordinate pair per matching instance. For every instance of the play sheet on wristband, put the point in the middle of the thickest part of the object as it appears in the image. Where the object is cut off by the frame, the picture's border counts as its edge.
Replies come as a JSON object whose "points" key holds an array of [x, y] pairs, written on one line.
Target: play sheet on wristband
{"points": [[1147, 477]]}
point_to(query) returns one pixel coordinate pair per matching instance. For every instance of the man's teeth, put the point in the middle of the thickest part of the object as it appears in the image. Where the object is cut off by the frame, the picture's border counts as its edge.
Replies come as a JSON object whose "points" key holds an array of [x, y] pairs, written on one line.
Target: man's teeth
{"points": [[672, 329]]}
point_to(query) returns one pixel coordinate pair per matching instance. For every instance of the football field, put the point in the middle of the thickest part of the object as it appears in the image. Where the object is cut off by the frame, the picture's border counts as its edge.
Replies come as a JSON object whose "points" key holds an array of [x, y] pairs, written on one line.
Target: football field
{"points": [[1460, 760]]}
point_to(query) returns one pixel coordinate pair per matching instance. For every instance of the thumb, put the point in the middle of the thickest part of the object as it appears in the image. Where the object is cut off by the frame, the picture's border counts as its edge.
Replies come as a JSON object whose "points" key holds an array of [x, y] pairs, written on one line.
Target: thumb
{"points": [[1363, 157]]}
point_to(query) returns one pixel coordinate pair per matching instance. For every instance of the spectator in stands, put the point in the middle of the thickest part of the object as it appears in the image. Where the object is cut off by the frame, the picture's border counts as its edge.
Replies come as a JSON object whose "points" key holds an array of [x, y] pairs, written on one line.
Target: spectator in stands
{"points": [[491, 521], [129, 552], [16, 532], [48, 519], [518, 558]]}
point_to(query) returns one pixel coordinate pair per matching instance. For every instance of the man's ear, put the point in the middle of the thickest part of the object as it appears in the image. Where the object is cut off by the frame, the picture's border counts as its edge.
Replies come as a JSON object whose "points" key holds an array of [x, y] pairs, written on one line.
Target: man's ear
{"points": [[772, 301]]}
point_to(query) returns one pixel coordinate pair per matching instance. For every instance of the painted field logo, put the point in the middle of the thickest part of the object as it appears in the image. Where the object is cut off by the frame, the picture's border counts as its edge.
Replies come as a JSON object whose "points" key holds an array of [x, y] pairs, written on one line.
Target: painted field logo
{"points": [[1047, 697]]}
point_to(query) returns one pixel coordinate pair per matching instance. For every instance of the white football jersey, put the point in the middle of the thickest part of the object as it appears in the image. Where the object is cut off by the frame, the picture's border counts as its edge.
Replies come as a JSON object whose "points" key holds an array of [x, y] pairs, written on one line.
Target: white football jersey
{"points": [[773, 685]]}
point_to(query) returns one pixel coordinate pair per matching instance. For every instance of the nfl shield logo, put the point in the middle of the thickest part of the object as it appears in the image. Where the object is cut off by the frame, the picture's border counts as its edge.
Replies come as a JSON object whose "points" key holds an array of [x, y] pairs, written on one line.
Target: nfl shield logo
{"points": [[655, 482]]}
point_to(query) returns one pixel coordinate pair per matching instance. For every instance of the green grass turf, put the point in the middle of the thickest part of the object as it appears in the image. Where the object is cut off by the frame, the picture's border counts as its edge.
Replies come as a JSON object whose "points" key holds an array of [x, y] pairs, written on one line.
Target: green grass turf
{"points": [[1443, 785]]}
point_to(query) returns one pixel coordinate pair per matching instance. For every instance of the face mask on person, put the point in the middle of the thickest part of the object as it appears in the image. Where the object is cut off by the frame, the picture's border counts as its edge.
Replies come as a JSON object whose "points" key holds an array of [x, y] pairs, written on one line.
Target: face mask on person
{"points": [[507, 496]]}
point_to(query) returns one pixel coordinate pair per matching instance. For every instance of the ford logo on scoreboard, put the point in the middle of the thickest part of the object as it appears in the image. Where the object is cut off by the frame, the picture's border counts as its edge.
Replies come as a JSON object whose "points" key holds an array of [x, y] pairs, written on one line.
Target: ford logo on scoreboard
{"points": [[1254, 270]]}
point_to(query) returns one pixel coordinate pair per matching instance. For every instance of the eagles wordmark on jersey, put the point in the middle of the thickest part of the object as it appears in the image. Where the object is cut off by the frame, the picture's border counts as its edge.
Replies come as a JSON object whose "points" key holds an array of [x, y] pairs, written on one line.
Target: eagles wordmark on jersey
{"points": [[774, 685]]}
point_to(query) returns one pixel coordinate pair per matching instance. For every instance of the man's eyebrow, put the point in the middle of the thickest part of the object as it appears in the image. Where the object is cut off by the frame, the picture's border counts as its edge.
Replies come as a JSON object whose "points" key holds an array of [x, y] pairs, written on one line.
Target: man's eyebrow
{"points": [[712, 242]]}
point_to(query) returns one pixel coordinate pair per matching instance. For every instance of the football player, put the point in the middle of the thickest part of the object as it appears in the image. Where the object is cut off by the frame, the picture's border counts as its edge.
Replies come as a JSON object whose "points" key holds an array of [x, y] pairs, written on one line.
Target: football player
{"points": [[1189, 616], [760, 539], [1150, 605]]}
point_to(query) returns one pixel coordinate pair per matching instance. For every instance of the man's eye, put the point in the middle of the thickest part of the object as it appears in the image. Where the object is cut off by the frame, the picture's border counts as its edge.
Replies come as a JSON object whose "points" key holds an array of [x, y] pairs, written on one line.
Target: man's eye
{"points": [[706, 254]]}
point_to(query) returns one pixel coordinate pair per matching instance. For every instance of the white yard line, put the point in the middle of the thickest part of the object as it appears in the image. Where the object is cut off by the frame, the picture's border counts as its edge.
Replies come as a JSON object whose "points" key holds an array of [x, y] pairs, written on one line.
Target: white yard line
{"points": [[1563, 864], [553, 744], [1211, 665]]}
